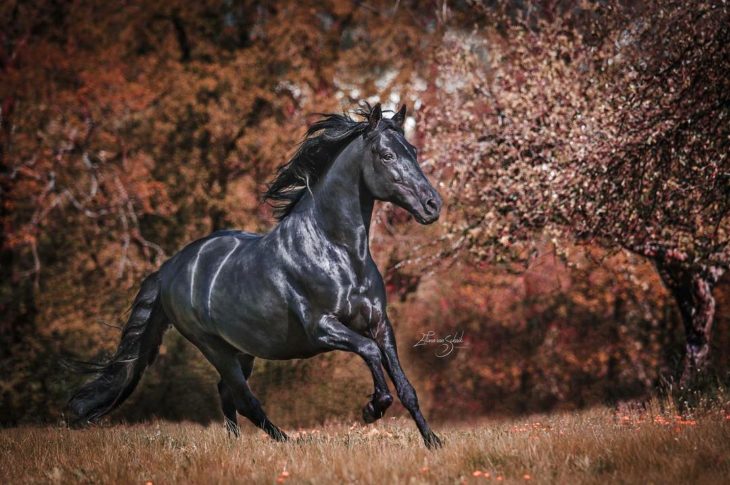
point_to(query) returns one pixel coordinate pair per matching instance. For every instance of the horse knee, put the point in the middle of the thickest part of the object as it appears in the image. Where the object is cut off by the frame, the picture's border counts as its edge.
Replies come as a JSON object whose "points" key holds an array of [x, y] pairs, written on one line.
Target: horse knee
{"points": [[371, 352]]}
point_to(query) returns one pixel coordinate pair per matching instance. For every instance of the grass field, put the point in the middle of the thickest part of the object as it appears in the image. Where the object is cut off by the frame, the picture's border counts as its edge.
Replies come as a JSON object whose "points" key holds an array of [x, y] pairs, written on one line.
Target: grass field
{"points": [[593, 446]]}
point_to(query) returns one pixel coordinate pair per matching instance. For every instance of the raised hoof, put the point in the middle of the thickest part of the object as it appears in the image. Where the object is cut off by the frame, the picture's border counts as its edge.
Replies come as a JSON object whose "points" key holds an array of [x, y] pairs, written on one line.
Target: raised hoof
{"points": [[371, 412], [432, 441], [368, 413]]}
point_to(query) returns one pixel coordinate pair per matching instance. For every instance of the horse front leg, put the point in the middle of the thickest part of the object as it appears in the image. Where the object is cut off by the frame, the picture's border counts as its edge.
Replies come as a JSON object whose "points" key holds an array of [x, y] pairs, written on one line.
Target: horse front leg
{"points": [[385, 339], [331, 333]]}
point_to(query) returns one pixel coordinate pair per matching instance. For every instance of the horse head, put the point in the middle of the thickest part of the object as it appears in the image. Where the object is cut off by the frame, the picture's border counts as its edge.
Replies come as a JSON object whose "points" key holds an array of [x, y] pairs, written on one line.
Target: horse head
{"points": [[391, 171]]}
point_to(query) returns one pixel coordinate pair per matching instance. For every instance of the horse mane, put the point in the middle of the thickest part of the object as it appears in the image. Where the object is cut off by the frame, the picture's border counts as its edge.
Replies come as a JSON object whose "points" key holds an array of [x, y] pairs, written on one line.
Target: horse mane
{"points": [[324, 140]]}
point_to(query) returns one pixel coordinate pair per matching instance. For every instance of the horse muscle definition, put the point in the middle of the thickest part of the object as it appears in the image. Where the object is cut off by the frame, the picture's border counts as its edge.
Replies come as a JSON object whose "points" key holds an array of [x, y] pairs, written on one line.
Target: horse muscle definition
{"points": [[308, 286]]}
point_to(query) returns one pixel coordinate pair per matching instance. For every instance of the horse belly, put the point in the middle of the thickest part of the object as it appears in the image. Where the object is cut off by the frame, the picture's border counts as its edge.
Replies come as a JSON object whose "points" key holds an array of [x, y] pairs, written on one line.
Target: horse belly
{"points": [[269, 339], [253, 316]]}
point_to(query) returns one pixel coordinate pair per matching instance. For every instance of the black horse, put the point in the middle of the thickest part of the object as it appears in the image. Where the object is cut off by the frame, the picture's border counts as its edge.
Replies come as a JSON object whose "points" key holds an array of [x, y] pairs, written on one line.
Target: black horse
{"points": [[307, 287]]}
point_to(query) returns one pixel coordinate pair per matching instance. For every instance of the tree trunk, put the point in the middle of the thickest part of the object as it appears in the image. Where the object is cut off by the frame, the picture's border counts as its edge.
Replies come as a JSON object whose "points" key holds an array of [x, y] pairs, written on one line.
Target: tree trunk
{"points": [[692, 290]]}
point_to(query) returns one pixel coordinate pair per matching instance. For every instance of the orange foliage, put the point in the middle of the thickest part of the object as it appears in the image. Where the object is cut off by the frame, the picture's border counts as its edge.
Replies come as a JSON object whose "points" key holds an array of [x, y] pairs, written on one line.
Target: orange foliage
{"points": [[128, 132]]}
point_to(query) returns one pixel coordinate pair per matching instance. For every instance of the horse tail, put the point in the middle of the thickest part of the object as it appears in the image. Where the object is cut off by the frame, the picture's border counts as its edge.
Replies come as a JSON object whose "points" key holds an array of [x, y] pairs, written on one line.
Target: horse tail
{"points": [[115, 379]]}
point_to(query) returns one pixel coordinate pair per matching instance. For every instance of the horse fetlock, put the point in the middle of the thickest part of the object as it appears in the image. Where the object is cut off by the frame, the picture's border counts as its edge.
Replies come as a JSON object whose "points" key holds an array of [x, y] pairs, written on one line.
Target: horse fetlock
{"points": [[384, 401]]}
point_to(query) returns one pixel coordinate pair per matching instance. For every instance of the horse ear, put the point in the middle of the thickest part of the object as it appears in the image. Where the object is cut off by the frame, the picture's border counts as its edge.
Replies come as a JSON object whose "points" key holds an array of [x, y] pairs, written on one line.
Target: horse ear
{"points": [[400, 117], [376, 114]]}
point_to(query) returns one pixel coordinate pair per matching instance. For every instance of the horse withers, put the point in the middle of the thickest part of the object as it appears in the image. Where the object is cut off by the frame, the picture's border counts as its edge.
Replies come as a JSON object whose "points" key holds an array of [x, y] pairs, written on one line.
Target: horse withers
{"points": [[308, 286]]}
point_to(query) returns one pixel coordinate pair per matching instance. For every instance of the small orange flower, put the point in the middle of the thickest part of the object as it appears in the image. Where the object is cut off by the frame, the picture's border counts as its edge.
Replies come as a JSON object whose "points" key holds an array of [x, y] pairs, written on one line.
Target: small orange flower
{"points": [[477, 473], [527, 476]]}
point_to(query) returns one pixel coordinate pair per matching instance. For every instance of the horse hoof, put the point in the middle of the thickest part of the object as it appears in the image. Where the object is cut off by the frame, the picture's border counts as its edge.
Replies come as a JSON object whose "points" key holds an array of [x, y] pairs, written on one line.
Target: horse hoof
{"points": [[278, 435], [375, 409], [232, 427], [368, 413], [234, 433], [432, 441]]}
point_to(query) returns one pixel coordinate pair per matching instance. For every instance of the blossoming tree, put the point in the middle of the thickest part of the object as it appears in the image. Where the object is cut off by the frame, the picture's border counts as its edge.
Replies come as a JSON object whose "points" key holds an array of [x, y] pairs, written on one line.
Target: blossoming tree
{"points": [[617, 136]]}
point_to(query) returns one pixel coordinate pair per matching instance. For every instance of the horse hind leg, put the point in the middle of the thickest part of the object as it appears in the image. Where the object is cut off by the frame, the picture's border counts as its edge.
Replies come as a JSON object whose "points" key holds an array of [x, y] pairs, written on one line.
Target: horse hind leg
{"points": [[228, 403], [225, 359]]}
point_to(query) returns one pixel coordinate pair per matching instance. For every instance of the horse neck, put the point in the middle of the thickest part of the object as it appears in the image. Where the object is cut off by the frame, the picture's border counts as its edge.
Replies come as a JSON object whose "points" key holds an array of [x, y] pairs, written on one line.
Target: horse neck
{"points": [[341, 204]]}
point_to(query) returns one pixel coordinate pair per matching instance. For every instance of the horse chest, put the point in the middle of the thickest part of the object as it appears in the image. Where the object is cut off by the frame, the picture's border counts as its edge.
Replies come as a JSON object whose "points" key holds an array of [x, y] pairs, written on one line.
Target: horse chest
{"points": [[363, 314]]}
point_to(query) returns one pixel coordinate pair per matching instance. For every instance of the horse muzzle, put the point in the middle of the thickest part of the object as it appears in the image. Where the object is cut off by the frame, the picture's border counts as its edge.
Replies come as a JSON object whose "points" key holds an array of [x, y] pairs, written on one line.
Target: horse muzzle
{"points": [[430, 209]]}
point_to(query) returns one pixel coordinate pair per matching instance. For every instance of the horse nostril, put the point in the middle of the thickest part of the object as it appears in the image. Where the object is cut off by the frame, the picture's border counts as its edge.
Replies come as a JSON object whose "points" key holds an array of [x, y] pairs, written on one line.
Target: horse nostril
{"points": [[431, 206]]}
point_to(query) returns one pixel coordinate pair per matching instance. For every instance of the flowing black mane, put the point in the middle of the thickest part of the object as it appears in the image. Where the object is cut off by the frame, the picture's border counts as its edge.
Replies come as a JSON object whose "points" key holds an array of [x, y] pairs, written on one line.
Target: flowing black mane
{"points": [[324, 140]]}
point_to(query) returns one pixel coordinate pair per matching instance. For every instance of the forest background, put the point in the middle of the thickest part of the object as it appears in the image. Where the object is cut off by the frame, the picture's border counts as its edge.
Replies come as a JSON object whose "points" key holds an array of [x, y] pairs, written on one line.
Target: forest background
{"points": [[581, 149]]}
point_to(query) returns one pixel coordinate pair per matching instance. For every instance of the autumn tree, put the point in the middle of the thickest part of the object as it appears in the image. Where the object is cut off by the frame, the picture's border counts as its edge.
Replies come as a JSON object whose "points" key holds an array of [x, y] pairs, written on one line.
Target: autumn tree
{"points": [[617, 136], [665, 185]]}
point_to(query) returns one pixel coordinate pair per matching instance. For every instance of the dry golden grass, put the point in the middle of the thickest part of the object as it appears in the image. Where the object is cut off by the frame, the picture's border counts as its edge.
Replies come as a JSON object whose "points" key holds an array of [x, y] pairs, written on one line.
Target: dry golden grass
{"points": [[593, 446]]}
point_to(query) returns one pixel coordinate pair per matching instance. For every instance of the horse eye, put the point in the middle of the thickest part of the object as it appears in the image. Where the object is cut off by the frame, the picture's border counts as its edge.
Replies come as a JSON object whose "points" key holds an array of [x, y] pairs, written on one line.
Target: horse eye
{"points": [[389, 156]]}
